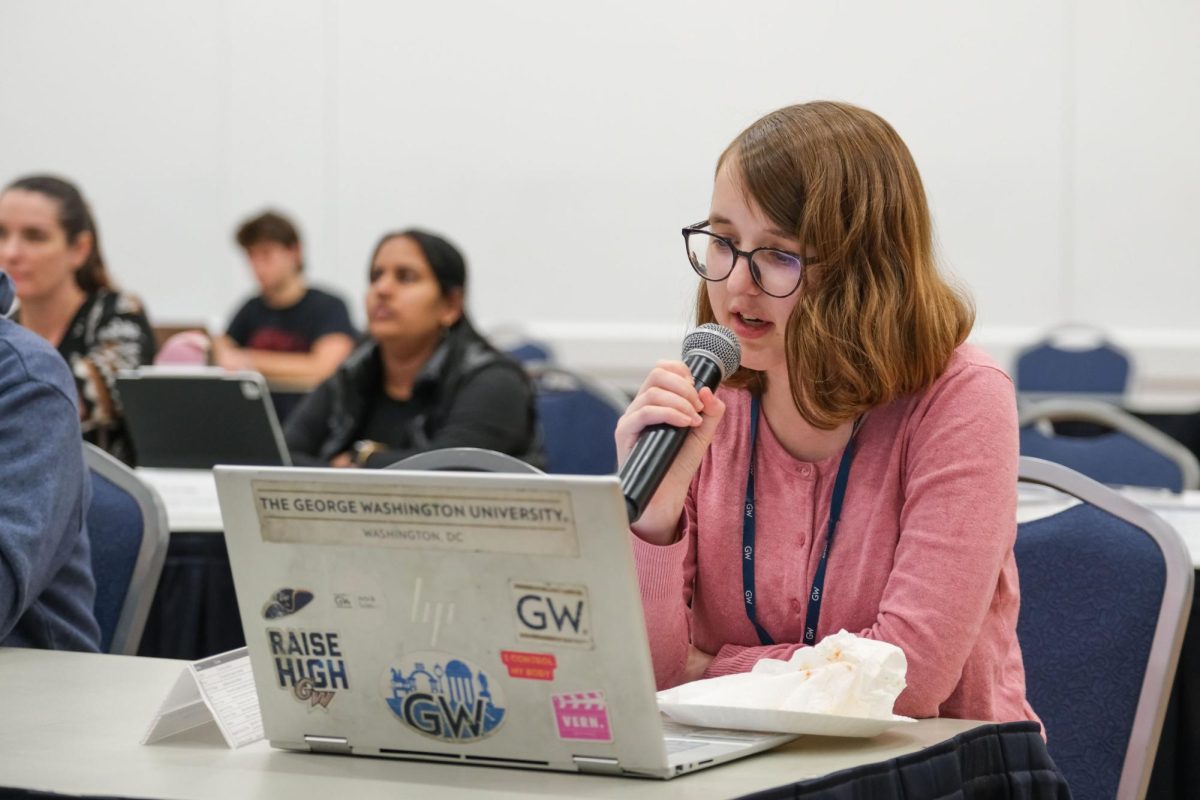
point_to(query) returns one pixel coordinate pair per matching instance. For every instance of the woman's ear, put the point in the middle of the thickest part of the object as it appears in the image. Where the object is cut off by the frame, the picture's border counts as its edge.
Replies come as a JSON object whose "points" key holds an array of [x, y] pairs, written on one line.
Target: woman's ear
{"points": [[452, 307], [81, 248]]}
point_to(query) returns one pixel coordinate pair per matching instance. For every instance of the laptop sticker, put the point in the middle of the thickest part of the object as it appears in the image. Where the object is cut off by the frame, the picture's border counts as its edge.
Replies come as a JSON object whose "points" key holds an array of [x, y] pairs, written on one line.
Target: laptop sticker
{"points": [[286, 602], [529, 666], [551, 613], [309, 663], [581, 716], [355, 587], [444, 697], [537, 522]]}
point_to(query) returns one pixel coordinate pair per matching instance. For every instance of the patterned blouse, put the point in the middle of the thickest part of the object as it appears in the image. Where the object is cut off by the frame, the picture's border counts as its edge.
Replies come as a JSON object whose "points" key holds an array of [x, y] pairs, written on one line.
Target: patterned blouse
{"points": [[109, 333]]}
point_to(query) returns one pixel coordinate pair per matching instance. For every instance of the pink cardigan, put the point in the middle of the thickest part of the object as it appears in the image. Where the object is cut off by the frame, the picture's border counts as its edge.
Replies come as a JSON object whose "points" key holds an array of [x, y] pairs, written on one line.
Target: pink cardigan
{"points": [[923, 555]]}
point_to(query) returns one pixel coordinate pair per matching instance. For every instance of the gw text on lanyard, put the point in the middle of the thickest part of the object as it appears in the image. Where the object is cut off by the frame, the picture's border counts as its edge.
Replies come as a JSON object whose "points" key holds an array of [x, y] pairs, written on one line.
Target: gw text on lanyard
{"points": [[816, 595]]}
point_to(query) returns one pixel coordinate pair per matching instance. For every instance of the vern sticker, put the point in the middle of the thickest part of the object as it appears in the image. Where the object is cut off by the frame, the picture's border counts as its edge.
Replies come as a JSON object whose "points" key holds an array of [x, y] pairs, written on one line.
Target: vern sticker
{"points": [[414, 517], [444, 697], [529, 666], [581, 716], [552, 612]]}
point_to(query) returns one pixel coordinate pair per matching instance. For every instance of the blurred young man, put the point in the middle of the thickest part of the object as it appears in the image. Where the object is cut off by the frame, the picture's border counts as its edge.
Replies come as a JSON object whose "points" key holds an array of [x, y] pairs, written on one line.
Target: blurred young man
{"points": [[289, 331]]}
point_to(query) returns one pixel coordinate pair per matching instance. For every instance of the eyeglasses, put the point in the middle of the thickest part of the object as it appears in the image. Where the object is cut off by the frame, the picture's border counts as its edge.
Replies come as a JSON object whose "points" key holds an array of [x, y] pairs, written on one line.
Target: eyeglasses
{"points": [[776, 272]]}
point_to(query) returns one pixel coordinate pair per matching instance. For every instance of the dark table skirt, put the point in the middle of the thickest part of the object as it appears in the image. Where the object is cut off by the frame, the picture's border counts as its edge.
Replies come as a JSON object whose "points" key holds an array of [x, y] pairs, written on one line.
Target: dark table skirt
{"points": [[991, 761], [195, 611]]}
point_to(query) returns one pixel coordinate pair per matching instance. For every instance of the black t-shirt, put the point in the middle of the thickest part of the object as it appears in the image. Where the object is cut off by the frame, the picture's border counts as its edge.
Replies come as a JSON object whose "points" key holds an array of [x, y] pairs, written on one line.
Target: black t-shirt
{"points": [[293, 329]]}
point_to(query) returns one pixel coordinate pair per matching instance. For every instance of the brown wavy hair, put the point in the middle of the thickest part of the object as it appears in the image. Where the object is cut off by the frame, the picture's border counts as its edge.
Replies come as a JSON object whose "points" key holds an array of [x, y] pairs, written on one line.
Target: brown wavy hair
{"points": [[75, 217], [874, 320]]}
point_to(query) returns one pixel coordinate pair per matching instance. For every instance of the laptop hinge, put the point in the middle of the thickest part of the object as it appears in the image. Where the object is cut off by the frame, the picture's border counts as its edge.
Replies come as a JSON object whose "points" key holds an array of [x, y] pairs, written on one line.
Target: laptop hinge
{"points": [[328, 744], [597, 764]]}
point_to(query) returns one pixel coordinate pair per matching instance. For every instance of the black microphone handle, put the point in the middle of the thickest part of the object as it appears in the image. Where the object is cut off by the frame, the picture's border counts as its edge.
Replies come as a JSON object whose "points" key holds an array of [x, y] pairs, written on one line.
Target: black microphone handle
{"points": [[658, 445]]}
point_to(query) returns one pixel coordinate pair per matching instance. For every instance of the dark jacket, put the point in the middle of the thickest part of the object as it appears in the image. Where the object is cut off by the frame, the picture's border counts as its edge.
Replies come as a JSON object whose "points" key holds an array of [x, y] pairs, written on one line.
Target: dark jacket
{"points": [[467, 395]]}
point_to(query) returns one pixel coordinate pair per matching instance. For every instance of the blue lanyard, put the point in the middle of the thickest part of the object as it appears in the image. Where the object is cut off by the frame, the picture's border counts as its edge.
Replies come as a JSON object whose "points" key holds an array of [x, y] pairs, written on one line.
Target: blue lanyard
{"points": [[748, 530]]}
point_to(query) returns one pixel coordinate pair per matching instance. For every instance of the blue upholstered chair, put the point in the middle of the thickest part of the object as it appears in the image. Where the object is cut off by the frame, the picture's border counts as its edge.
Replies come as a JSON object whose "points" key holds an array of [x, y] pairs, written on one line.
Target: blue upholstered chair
{"points": [[531, 352], [1130, 452], [127, 530], [578, 417], [1092, 365], [1106, 587], [516, 343]]}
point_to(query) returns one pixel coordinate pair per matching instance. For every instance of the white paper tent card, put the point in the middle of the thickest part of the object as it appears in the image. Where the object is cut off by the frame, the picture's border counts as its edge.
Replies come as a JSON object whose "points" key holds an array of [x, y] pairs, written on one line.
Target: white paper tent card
{"points": [[217, 689]]}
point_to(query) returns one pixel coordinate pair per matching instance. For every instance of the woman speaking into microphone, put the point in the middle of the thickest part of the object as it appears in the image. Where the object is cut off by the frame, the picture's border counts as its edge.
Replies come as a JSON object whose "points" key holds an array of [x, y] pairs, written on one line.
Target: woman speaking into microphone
{"points": [[858, 471]]}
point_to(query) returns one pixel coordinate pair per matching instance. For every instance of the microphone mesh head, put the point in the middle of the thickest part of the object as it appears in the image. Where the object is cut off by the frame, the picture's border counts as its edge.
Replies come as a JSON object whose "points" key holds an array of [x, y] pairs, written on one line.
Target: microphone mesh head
{"points": [[718, 342]]}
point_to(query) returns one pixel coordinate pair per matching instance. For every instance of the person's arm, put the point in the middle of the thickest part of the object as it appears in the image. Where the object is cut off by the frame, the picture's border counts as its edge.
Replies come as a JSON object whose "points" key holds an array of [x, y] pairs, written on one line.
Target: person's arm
{"points": [[490, 410], [668, 395], [957, 528], [664, 538], [327, 325], [307, 427], [666, 575], [303, 369], [41, 476], [123, 341]]}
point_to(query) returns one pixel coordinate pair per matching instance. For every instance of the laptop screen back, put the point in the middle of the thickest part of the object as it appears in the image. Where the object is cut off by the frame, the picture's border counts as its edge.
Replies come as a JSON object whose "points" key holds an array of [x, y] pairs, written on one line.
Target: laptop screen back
{"points": [[199, 419], [480, 618]]}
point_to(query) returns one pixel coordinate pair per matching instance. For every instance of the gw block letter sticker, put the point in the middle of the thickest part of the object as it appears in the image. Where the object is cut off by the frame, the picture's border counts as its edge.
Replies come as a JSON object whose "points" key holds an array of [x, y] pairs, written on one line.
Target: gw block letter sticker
{"points": [[551, 613], [581, 716], [539, 522], [444, 697]]}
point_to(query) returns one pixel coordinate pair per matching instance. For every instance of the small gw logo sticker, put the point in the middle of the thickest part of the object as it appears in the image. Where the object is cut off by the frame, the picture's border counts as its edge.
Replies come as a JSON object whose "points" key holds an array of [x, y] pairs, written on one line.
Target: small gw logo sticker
{"points": [[552, 612]]}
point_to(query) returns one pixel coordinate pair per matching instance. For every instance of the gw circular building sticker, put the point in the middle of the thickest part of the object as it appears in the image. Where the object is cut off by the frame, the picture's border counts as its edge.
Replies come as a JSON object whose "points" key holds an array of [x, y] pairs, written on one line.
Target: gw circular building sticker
{"points": [[443, 697]]}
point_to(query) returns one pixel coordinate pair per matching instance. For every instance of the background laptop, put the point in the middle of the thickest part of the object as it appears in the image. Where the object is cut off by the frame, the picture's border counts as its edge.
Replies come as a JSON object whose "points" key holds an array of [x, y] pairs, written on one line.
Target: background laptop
{"points": [[196, 417], [465, 618]]}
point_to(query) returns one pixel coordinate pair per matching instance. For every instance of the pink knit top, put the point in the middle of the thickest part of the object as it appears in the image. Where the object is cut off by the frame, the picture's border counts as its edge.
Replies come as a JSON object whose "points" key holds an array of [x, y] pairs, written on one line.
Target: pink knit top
{"points": [[922, 557]]}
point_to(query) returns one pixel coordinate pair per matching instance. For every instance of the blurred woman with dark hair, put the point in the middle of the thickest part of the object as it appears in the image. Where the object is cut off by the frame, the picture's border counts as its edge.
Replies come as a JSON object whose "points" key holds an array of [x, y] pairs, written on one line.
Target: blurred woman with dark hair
{"points": [[424, 379], [50, 247]]}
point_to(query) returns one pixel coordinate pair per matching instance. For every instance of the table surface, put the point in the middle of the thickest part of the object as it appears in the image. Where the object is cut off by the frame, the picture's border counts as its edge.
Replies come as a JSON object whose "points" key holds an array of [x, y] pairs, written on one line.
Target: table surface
{"points": [[189, 496], [73, 721], [1181, 510]]}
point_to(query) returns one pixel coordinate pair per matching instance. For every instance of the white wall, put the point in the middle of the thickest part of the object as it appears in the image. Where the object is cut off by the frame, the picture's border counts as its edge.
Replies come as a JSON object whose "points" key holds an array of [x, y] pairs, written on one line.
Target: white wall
{"points": [[564, 145]]}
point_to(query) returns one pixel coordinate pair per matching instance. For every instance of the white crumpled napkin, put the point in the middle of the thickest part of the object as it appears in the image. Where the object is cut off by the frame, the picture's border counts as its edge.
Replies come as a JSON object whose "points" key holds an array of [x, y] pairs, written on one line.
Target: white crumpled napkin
{"points": [[843, 675]]}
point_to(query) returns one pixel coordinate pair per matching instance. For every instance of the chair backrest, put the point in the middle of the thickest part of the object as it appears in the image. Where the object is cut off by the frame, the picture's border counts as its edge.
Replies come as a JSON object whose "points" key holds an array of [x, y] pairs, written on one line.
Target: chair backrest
{"points": [[1131, 453], [1096, 367], [189, 348], [127, 530], [578, 417], [1106, 587], [464, 459], [531, 352], [515, 342]]}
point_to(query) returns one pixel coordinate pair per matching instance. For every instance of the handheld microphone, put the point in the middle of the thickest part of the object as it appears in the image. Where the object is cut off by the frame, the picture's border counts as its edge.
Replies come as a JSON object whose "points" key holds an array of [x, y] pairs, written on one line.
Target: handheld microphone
{"points": [[712, 353]]}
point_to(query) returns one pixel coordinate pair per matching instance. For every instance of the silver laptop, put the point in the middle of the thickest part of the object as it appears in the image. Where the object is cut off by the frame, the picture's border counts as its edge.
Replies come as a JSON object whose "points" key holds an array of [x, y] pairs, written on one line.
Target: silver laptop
{"points": [[462, 618], [195, 417]]}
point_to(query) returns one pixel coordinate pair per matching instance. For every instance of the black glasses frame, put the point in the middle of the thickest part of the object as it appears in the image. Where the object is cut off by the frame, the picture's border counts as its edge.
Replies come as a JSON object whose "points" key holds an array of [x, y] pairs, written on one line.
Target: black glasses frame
{"points": [[699, 227]]}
